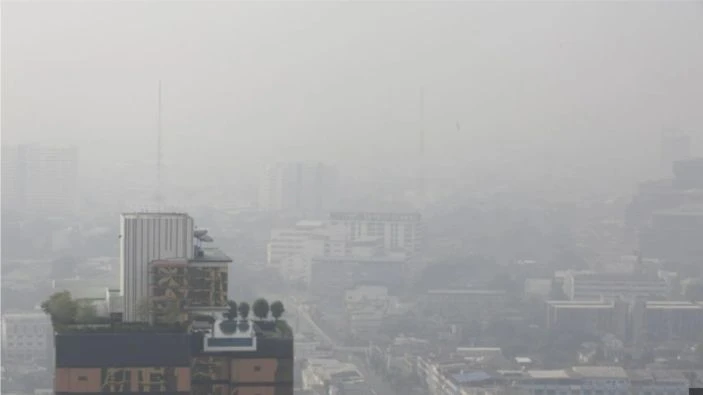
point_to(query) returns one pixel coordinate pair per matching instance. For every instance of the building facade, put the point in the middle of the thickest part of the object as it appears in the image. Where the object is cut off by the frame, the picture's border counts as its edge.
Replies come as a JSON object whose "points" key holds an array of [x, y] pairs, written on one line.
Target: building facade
{"points": [[308, 188], [26, 338], [397, 230], [181, 286], [135, 363], [145, 237], [246, 361], [596, 317], [595, 286]]}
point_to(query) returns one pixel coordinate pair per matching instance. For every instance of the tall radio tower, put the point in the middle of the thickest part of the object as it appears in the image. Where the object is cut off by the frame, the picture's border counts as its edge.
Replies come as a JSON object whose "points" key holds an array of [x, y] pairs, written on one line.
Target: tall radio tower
{"points": [[158, 198], [421, 169]]}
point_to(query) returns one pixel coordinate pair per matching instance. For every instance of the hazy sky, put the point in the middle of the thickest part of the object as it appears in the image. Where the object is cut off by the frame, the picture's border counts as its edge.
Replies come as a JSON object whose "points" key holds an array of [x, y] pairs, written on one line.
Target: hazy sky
{"points": [[245, 83]]}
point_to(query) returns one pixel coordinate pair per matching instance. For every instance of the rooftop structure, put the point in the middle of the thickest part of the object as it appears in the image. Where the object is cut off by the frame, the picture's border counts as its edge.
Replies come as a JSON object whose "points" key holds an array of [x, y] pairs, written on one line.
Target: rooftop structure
{"points": [[594, 286]]}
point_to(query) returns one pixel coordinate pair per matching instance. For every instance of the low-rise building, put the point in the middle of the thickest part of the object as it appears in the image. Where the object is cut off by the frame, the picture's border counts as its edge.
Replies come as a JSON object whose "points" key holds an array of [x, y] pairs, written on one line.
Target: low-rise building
{"points": [[366, 306], [463, 304], [582, 316], [26, 338]]}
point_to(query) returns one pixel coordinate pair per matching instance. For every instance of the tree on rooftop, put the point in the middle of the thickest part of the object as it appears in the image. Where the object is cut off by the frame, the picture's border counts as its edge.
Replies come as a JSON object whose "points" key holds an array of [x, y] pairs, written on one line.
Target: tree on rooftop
{"points": [[86, 313], [61, 308], [231, 314], [277, 309], [243, 310], [261, 308]]}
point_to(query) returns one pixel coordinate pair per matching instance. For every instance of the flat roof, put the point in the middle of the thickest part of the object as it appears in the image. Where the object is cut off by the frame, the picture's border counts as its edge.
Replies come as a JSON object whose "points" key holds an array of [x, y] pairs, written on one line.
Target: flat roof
{"points": [[360, 259], [466, 292], [584, 307], [309, 224], [211, 254], [601, 371], [154, 214], [674, 307], [548, 374]]}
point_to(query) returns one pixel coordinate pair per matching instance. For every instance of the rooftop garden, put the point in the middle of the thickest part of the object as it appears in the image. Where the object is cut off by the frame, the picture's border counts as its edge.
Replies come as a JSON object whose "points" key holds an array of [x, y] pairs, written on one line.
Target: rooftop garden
{"points": [[70, 315], [267, 318]]}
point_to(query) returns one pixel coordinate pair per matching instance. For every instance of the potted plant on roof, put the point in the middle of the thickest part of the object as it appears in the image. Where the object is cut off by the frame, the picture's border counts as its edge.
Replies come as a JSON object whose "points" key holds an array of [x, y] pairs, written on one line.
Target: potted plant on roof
{"points": [[229, 325], [244, 315]]}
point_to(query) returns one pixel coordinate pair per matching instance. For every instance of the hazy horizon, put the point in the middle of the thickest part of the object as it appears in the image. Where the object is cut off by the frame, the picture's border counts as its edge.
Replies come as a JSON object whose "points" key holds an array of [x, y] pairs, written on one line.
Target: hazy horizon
{"points": [[578, 88]]}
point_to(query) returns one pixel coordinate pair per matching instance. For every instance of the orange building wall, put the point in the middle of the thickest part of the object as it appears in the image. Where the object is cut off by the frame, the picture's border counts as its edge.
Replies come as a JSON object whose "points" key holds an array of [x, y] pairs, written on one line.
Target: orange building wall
{"points": [[78, 380], [89, 380], [259, 370]]}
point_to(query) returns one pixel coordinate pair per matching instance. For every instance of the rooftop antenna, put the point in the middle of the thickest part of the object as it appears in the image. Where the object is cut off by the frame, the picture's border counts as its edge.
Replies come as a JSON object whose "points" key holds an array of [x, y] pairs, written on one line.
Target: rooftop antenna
{"points": [[422, 145], [158, 150], [422, 122]]}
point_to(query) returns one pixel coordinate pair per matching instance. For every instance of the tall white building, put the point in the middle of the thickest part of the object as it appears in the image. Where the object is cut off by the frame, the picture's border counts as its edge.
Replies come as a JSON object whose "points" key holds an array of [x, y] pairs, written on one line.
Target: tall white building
{"points": [[41, 180], [399, 231], [145, 237], [303, 187]]}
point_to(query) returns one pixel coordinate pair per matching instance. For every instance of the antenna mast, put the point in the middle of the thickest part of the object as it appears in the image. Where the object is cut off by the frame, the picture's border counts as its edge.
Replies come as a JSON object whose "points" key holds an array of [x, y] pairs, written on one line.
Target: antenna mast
{"points": [[158, 197], [158, 142], [421, 170], [422, 123]]}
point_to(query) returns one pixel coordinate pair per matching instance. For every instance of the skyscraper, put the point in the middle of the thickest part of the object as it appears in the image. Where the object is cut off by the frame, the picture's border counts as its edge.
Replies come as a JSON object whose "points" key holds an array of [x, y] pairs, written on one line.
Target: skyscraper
{"points": [[304, 187], [145, 237]]}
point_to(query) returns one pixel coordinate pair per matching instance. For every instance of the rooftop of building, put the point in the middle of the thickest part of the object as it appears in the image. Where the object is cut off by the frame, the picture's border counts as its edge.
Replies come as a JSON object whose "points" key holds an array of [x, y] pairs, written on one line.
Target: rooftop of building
{"points": [[606, 372], [581, 304], [210, 255], [361, 259], [612, 276], [689, 210], [309, 224], [466, 291], [375, 216], [29, 316], [673, 305], [463, 378], [548, 374], [153, 214]]}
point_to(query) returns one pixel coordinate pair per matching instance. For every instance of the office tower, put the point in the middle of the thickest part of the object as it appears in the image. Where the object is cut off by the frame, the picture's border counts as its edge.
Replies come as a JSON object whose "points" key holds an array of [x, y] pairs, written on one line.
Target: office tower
{"points": [[398, 231], [300, 187], [40, 180], [145, 237]]}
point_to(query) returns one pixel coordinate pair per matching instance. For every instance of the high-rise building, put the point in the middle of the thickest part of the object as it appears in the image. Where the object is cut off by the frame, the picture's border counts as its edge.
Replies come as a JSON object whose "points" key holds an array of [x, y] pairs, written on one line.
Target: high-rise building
{"points": [[40, 180], [300, 187], [398, 231], [191, 342], [146, 237]]}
